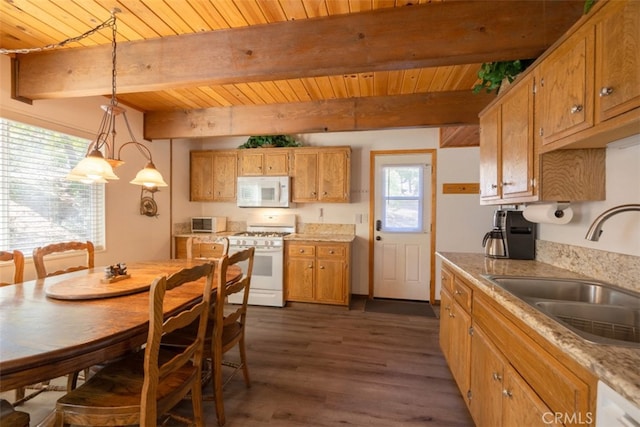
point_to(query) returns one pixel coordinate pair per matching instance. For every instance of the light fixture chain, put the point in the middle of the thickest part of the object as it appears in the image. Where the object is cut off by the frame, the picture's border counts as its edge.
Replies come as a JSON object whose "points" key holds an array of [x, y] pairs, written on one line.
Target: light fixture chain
{"points": [[108, 23], [114, 100]]}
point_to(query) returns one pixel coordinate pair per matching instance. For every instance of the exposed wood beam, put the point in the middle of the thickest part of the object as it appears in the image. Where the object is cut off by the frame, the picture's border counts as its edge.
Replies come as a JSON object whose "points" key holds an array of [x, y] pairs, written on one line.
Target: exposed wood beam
{"points": [[419, 110], [443, 33]]}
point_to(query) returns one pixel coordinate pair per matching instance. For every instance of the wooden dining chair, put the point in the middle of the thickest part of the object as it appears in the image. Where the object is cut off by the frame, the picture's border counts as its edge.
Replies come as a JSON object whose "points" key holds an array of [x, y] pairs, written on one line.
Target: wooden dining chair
{"points": [[224, 331], [18, 265], [40, 252], [228, 326], [207, 247], [143, 386], [9, 417], [17, 258]]}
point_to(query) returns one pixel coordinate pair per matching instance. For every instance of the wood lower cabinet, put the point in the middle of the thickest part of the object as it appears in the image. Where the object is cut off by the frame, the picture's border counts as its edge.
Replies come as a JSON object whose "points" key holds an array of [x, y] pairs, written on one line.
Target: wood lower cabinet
{"points": [[265, 161], [509, 374], [209, 251], [321, 174], [213, 176], [498, 394], [318, 272], [456, 320]]}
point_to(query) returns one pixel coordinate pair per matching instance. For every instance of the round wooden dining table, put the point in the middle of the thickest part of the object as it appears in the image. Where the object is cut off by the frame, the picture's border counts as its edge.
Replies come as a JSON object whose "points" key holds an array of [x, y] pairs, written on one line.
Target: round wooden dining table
{"points": [[62, 324]]}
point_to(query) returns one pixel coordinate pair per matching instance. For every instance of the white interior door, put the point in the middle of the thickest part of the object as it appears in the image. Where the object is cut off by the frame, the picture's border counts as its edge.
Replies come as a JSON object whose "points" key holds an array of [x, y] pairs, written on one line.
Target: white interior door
{"points": [[402, 221]]}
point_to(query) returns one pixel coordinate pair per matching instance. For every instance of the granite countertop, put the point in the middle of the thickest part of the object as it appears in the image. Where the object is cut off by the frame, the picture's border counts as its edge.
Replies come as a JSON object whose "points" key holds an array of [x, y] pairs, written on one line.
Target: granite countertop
{"points": [[617, 366], [217, 234], [340, 238]]}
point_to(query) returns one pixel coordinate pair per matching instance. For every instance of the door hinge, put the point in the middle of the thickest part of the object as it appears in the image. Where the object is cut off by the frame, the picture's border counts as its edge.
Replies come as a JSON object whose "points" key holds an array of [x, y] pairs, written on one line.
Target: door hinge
{"points": [[468, 394], [541, 132], [471, 330]]}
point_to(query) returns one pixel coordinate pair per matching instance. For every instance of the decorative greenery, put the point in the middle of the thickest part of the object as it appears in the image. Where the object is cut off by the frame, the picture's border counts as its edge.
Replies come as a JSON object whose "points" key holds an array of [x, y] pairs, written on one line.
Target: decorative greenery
{"points": [[587, 5], [492, 74], [270, 141]]}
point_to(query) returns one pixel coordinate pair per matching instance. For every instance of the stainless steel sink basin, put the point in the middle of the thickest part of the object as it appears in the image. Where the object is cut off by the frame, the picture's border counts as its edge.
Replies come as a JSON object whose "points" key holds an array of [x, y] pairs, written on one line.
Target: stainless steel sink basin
{"points": [[596, 311], [597, 323], [593, 292]]}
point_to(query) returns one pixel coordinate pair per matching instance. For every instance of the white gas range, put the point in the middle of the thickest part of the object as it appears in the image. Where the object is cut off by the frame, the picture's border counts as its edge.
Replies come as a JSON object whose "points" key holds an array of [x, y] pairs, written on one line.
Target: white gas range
{"points": [[266, 233]]}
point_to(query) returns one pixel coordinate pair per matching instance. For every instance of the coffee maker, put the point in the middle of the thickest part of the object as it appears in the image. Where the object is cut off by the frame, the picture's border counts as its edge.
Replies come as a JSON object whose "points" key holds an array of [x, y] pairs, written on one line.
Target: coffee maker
{"points": [[512, 236], [493, 242]]}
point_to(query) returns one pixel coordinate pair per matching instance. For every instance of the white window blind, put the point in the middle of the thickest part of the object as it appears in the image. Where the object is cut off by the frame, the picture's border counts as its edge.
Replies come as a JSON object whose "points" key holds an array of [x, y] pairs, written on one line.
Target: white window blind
{"points": [[37, 205]]}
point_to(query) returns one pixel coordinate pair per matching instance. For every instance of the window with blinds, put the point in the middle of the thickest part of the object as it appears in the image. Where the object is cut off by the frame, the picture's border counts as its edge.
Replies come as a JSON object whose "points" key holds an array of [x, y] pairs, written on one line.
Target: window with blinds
{"points": [[37, 205]]}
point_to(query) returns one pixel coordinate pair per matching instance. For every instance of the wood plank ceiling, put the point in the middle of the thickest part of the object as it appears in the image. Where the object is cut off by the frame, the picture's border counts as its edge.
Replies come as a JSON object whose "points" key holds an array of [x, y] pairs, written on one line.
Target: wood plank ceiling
{"points": [[200, 68]]}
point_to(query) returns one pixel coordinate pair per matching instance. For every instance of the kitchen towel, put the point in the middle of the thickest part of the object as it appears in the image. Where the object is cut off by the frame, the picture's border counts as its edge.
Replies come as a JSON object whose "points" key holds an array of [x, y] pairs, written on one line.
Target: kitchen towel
{"points": [[548, 213]]}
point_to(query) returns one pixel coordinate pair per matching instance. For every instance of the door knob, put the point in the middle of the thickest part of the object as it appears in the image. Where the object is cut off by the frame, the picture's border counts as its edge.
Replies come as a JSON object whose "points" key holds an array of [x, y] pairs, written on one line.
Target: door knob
{"points": [[378, 238]]}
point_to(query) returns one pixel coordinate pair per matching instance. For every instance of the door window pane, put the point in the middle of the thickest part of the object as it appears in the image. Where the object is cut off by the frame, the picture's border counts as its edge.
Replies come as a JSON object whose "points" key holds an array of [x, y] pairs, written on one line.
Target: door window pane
{"points": [[402, 194]]}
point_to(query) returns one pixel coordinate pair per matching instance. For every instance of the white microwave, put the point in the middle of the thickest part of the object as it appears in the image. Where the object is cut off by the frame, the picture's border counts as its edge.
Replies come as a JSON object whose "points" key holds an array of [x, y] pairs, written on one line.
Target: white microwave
{"points": [[263, 191]]}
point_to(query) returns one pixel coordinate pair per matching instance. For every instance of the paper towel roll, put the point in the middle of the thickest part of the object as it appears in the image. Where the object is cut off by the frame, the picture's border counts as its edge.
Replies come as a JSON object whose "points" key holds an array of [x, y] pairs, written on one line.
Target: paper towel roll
{"points": [[548, 213]]}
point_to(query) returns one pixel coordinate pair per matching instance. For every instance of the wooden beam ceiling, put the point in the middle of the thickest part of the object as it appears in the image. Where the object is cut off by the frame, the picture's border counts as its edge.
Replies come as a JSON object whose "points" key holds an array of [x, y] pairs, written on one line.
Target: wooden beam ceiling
{"points": [[446, 33], [298, 75], [376, 112]]}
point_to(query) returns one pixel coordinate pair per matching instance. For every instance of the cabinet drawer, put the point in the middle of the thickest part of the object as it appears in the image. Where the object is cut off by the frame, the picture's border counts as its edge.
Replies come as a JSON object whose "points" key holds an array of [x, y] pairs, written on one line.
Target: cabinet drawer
{"points": [[301, 251], [333, 251], [462, 294], [446, 280]]}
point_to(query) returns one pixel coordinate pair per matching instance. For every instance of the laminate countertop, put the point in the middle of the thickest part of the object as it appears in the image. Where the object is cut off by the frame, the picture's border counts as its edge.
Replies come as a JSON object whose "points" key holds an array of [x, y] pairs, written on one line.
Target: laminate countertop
{"points": [[337, 238], [617, 366]]}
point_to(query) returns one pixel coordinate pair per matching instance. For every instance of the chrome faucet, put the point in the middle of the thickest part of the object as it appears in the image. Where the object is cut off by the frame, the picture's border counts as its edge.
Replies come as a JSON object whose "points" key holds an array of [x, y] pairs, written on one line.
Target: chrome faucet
{"points": [[595, 230]]}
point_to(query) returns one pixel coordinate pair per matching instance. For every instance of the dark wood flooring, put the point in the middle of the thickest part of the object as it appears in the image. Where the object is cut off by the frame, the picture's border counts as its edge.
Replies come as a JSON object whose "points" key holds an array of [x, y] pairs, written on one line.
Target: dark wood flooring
{"points": [[314, 365]]}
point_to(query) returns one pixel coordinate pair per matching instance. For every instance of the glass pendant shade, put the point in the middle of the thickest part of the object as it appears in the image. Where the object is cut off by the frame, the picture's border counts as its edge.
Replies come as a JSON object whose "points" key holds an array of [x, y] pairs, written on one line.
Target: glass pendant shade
{"points": [[149, 177], [93, 167], [84, 179]]}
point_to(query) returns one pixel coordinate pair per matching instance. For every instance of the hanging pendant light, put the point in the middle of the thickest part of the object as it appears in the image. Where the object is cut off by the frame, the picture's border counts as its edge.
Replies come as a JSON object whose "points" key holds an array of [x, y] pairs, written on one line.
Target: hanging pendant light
{"points": [[95, 168]]}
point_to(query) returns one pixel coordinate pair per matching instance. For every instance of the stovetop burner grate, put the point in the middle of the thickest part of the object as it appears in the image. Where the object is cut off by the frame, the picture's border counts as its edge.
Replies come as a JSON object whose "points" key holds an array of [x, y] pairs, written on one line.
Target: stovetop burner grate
{"points": [[261, 234]]}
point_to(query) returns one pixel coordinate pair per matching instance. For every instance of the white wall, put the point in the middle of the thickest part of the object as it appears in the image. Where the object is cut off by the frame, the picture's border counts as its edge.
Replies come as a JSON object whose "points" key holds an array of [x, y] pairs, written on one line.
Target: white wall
{"points": [[461, 221], [621, 233]]}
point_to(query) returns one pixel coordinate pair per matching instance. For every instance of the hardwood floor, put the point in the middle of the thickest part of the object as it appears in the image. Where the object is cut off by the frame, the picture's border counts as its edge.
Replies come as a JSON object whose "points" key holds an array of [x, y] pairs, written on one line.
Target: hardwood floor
{"points": [[314, 365]]}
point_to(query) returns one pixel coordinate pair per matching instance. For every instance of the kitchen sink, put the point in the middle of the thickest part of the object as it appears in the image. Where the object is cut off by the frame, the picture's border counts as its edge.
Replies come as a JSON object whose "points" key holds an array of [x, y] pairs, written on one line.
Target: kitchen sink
{"points": [[597, 323], [596, 311]]}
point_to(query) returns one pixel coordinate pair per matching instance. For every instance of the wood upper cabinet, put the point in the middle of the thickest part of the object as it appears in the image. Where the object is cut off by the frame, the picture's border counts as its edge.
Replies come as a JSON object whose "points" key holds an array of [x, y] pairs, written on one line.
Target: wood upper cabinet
{"points": [[507, 146], [566, 87], [512, 170], [201, 175], [618, 53], [318, 272], [321, 174], [589, 91], [213, 176], [264, 161]]}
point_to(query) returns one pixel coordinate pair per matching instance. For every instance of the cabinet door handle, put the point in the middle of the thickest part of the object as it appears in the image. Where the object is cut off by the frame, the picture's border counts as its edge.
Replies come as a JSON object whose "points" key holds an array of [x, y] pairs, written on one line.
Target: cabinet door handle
{"points": [[576, 109], [494, 186], [452, 315], [331, 252], [507, 183], [496, 376], [507, 393], [606, 91], [310, 266], [457, 292], [301, 251], [322, 267]]}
